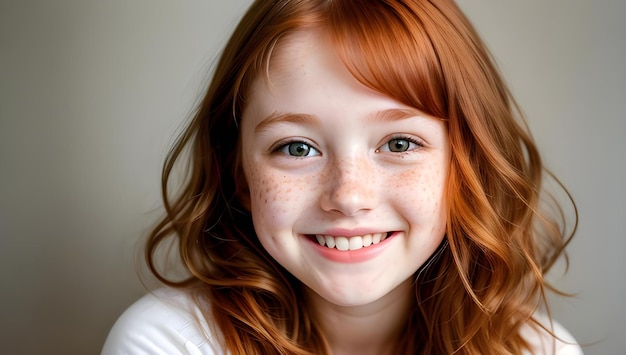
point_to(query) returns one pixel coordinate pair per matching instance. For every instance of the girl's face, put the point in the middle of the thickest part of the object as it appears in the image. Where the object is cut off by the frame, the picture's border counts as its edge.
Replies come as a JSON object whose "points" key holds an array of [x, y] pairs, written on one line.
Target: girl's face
{"points": [[346, 186]]}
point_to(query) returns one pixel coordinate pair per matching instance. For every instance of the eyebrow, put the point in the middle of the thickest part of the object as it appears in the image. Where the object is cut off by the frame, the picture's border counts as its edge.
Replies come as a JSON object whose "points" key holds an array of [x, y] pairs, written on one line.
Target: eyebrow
{"points": [[394, 114], [276, 117], [389, 115]]}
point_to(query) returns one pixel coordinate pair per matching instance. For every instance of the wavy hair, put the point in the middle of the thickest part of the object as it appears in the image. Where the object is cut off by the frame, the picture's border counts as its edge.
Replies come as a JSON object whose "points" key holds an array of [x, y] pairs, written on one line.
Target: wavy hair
{"points": [[487, 278]]}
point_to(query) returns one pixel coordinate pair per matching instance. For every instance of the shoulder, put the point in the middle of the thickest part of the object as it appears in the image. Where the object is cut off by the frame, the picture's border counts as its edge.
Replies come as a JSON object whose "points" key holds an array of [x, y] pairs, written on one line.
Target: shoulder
{"points": [[166, 321], [543, 342]]}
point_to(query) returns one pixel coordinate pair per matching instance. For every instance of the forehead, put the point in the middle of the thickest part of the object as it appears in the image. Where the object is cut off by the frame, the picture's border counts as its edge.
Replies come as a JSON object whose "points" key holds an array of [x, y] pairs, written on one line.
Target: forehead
{"points": [[300, 53], [294, 46], [302, 61]]}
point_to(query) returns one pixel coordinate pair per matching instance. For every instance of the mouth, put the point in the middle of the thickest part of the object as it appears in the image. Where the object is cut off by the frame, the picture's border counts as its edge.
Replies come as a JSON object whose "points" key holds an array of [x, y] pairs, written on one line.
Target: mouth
{"points": [[350, 243]]}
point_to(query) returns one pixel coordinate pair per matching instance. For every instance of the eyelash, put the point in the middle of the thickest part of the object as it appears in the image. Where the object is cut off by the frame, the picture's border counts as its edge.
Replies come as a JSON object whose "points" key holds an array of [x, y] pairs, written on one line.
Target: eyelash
{"points": [[283, 148], [418, 142]]}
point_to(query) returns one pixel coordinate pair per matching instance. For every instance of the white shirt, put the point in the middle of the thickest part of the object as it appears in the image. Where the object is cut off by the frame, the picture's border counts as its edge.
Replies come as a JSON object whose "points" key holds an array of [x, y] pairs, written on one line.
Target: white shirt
{"points": [[169, 322], [166, 322]]}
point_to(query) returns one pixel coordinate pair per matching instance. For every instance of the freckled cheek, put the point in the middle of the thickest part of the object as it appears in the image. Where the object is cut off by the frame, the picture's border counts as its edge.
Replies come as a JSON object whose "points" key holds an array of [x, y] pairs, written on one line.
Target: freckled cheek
{"points": [[275, 193], [422, 190]]}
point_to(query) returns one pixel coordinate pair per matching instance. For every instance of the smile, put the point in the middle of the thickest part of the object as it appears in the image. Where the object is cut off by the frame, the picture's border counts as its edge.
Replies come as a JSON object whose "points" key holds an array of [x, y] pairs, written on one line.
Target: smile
{"points": [[350, 243]]}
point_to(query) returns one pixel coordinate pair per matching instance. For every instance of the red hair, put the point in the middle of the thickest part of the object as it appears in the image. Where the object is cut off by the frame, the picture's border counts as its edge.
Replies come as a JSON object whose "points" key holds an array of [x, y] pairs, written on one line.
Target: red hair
{"points": [[484, 283]]}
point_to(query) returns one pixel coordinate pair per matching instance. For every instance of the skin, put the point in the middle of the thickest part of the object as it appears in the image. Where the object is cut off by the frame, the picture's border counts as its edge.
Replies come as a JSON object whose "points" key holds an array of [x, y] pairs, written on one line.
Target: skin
{"points": [[366, 164]]}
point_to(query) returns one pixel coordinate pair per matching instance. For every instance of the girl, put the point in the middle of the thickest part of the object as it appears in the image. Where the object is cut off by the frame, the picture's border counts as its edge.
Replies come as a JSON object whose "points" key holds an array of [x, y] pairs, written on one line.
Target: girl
{"points": [[358, 184]]}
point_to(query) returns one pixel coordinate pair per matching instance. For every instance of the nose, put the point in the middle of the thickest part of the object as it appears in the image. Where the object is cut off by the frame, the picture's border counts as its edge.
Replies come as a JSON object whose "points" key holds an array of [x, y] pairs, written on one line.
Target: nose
{"points": [[350, 187]]}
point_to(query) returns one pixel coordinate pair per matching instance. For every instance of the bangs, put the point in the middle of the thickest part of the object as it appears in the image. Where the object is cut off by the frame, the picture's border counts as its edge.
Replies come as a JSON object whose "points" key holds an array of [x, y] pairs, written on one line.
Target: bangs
{"points": [[386, 46]]}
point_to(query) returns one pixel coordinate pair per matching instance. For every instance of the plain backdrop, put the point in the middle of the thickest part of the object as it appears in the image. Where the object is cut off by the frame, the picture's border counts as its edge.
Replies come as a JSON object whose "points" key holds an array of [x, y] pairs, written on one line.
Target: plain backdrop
{"points": [[92, 94]]}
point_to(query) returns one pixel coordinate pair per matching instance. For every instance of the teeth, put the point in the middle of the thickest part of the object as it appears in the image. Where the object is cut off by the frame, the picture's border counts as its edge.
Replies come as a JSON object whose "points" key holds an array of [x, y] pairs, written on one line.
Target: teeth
{"points": [[367, 240], [330, 241], [350, 243], [356, 243], [342, 243]]}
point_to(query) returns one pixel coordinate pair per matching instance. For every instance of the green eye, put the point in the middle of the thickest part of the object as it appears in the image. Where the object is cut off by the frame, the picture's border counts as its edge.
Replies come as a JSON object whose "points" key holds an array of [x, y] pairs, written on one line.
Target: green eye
{"points": [[402, 144], [398, 145], [298, 150]]}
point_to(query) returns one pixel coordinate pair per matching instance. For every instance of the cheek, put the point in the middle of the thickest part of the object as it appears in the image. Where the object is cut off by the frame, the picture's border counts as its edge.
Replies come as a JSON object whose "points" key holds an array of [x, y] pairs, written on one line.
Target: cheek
{"points": [[422, 190], [274, 195]]}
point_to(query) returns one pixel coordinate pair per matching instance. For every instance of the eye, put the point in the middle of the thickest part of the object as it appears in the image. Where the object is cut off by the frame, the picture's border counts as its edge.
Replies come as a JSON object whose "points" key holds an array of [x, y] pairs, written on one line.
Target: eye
{"points": [[398, 145], [298, 149], [401, 144]]}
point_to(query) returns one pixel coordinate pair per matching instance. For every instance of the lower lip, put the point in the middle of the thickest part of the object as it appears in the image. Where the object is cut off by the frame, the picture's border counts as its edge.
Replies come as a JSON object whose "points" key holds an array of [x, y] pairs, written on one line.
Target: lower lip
{"points": [[352, 256]]}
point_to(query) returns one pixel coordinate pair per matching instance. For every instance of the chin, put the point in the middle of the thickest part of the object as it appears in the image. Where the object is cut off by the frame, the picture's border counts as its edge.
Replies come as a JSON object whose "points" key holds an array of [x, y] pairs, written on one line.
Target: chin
{"points": [[356, 296]]}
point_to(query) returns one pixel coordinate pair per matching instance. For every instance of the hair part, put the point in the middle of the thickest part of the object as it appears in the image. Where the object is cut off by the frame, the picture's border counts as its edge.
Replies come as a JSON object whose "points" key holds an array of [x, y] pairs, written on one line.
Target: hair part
{"points": [[486, 280]]}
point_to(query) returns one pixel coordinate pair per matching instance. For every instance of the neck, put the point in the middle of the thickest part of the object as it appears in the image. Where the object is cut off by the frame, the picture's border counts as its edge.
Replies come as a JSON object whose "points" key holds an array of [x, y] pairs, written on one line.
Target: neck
{"points": [[373, 328]]}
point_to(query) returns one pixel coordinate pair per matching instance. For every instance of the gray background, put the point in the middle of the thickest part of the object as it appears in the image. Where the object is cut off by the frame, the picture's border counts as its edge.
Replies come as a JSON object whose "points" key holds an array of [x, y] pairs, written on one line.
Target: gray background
{"points": [[92, 92]]}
